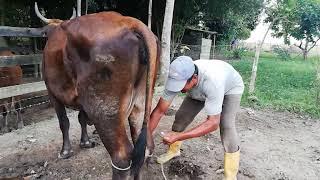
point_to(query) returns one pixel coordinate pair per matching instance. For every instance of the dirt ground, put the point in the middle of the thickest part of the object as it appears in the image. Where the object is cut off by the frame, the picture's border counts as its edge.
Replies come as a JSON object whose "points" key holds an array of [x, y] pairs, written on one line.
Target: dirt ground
{"points": [[274, 145]]}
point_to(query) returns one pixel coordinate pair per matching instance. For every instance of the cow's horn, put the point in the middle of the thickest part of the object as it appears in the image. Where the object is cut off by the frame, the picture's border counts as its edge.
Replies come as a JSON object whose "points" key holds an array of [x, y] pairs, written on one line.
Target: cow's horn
{"points": [[39, 14], [74, 14]]}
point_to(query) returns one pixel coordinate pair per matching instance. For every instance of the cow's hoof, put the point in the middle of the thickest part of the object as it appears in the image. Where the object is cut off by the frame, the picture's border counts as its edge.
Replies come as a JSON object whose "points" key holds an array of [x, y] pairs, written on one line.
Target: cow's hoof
{"points": [[87, 144], [65, 154]]}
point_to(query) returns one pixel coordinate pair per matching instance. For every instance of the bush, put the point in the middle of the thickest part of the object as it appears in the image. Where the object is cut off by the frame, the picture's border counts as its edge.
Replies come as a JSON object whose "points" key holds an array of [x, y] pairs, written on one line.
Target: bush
{"points": [[239, 53], [282, 53]]}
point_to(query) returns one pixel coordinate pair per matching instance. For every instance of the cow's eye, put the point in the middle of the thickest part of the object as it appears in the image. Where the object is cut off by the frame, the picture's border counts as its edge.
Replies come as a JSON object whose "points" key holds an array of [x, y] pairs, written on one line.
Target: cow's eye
{"points": [[104, 74]]}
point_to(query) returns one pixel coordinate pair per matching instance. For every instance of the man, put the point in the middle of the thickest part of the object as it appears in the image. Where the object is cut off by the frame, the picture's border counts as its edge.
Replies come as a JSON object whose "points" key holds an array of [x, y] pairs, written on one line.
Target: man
{"points": [[212, 84]]}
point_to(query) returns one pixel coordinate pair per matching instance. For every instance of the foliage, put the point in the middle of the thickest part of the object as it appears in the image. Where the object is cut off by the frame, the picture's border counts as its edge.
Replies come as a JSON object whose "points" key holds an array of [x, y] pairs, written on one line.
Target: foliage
{"points": [[233, 18], [236, 53], [299, 19], [282, 53], [282, 85], [239, 53]]}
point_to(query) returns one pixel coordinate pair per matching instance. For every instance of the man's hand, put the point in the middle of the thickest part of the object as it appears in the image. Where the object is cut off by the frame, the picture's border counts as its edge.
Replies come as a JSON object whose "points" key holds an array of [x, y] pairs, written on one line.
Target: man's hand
{"points": [[170, 137], [209, 125]]}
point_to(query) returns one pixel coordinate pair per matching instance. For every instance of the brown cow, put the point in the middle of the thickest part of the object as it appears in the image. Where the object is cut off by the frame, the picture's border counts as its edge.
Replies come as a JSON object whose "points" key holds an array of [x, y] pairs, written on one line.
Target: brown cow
{"points": [[103, 65], [10, 76]]}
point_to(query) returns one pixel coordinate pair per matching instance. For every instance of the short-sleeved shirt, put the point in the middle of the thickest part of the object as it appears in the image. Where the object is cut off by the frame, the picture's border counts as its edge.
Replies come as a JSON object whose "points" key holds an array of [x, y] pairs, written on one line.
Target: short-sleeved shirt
{"points": [[215, 80]]}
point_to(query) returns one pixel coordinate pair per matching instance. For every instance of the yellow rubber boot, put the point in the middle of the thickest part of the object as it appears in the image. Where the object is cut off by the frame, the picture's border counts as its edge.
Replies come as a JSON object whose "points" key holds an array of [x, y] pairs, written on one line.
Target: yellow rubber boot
{"points": [[231, 165], [173, 151]]}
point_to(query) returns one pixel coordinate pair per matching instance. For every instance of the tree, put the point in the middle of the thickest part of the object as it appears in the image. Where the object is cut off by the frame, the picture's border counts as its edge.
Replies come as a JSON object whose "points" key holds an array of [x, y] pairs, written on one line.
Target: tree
{"points": [[233, 18], [254, 70], [165, 41], [302, 22], [256, 62]]}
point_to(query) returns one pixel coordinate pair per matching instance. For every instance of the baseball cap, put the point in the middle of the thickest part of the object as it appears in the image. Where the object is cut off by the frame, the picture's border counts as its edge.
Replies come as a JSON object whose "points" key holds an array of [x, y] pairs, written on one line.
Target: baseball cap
{"points": [[181, 69]]}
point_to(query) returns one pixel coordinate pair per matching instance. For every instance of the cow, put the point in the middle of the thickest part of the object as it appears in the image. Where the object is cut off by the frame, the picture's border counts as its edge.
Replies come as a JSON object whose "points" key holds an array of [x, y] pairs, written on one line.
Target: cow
{"points": [[103, 65], [10, 76]]}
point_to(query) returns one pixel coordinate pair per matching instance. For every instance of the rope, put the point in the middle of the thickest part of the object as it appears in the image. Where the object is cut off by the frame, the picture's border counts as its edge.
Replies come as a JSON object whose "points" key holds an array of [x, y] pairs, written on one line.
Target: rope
{"points": [[121, 169], [162, 169]]}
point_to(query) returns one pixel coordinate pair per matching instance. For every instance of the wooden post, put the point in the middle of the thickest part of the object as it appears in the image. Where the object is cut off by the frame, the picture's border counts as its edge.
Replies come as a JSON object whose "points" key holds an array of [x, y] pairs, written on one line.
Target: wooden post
{"points": [[86, 7], [36, 66], [256, 61], [78, 8], [214, 45], [165, 42], [150, 14]]}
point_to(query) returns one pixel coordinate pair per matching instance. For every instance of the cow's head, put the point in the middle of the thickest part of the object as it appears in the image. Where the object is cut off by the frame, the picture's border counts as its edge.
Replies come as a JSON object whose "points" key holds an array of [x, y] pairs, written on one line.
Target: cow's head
{"points": [[54, 22]]}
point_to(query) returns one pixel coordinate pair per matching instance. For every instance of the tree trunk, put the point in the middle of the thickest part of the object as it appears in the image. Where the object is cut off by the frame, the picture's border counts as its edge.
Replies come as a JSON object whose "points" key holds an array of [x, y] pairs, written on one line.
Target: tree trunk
{"points": [[305, 54], [318, 84], [256, 61], [78, 8], [150, 14], [305, 51], [165, 42]]}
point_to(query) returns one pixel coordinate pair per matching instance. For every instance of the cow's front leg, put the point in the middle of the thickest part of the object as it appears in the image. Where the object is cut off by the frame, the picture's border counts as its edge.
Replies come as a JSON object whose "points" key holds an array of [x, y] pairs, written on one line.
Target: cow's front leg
{"points": [[64, 123], [84, 141], [114, 138]]}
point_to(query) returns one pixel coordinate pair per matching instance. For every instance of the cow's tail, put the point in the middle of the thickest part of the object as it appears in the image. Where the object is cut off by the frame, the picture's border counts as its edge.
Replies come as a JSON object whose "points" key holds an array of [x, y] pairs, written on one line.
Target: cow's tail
{"points": [[152, 56]]}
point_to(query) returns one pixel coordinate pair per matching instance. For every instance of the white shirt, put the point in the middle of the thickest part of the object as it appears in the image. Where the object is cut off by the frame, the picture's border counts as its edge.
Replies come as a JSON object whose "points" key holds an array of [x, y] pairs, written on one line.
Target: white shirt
{"points": [[215, 80]]}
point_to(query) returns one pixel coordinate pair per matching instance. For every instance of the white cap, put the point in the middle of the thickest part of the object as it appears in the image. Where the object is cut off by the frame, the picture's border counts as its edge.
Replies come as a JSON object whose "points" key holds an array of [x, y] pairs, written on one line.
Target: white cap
{"points": [[181, 69]]}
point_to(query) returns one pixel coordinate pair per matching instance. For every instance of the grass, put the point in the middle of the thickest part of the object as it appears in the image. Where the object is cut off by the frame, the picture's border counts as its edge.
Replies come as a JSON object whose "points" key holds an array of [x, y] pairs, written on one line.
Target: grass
{"points": [[282, 85]]}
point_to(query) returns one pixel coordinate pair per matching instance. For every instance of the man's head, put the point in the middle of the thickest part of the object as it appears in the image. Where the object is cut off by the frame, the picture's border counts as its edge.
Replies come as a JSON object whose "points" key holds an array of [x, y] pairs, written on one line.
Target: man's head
{"points": [[182, 75]]}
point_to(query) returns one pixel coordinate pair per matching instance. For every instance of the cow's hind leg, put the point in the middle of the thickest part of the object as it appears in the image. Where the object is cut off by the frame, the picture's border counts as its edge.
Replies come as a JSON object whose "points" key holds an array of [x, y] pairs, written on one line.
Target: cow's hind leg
{"points": [[84, 141], [64, 123], [133, 123]]}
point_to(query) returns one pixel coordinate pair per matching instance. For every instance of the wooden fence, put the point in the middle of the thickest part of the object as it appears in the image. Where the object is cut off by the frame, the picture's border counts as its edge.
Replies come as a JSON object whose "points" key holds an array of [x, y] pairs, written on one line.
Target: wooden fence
{"points": [[34, 59]]}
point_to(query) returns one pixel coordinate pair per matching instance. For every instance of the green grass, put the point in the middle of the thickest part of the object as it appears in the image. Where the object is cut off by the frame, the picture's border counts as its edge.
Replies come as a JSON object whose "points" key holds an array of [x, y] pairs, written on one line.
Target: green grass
{"points": [[282, 85]]}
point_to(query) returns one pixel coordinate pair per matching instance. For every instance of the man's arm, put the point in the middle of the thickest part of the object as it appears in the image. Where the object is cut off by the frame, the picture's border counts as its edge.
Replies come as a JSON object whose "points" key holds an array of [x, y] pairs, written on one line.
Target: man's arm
{"points": [[210, 124], [158, 113]]}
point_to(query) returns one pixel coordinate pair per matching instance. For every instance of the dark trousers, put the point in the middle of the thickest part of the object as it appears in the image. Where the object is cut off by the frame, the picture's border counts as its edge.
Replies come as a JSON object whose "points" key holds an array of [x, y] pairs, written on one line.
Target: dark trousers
{"points": [[231, 104]]}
